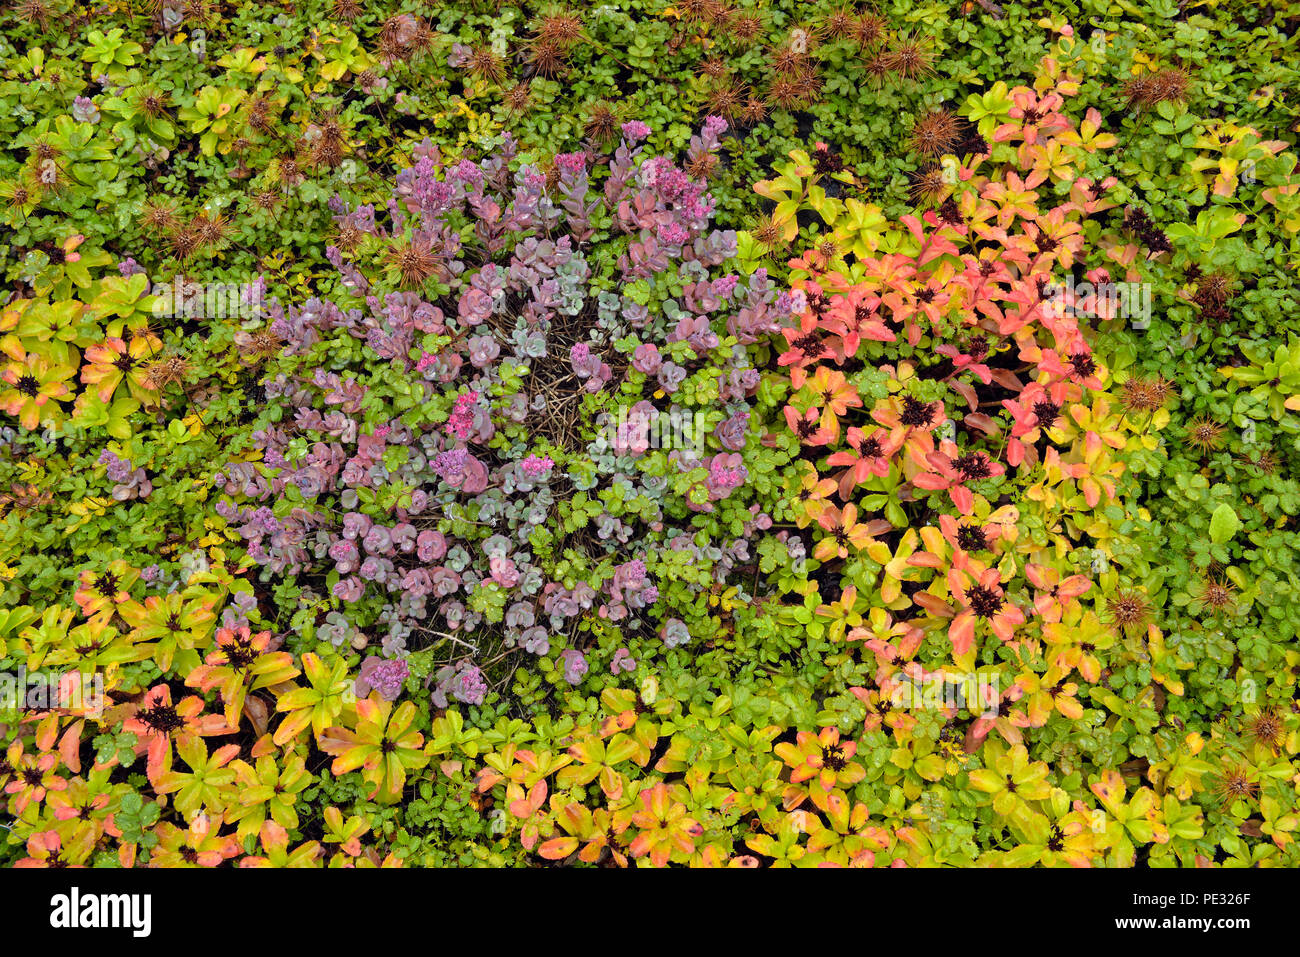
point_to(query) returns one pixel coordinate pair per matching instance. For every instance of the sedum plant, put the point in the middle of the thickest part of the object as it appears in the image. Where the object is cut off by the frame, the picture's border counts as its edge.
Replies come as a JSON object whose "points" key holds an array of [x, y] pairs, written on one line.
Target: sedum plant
{"points": [[524, 424]]}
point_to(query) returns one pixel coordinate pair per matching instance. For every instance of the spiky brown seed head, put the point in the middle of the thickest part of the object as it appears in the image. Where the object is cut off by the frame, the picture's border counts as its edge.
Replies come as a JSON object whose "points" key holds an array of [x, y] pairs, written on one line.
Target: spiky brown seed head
{"points": [[268, 200], [702, 165], [327, 153], [153, 104], [715, 68], [392, 50], [424, 37], [200, 12], [398, 38], [258, 345], [754, 111], [1266, 461], [1214, 289], [1171, 85], [909, 59], [1137, 92], [399, 26], [288, 171], [602, 124], [1145, 394], [346, 11], [808, 85], [183, 243], [211, 230], [35, 12], [518, 98], [349, 238], [1129, 611], [1204, 434], [1148, 89], [1235, 782], [698, 11], [486, 64], [260, 116], [929, 186], [786, 94], [1161, 389], [330, 127], [936, 133], [547, 59], [158, 216], [47, 169], [876, 67], [768, 232], [726, 100], [166, 371], [1266, 729], [413, 262], [1217, 595], [839, 24], [828, 250], [562, 29], [746, 28], [869, 30], [789, 59]]}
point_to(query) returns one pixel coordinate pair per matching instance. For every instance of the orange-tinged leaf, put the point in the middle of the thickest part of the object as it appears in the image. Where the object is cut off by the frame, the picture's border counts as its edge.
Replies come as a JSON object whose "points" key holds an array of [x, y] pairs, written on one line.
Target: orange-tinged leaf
{"points": [[558, 848]]}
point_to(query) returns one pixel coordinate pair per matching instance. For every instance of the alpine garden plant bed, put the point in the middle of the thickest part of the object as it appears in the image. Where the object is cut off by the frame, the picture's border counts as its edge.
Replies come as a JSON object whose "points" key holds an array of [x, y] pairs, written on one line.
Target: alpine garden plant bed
{"points": [[629, 435]]}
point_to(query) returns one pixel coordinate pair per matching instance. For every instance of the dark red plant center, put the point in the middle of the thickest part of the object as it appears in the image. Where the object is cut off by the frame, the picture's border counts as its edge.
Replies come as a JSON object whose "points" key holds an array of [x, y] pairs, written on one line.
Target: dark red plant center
{"points": [[984, 600]]}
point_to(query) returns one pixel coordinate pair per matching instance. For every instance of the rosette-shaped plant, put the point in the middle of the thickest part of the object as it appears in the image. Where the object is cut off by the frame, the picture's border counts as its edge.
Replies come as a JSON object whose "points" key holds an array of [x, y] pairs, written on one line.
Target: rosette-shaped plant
{"points": [[523, 422]]}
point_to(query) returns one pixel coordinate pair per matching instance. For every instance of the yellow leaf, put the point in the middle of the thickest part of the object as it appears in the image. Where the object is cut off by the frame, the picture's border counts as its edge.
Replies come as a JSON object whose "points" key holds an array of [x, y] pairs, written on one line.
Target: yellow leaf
{"points": [[90, 504]]}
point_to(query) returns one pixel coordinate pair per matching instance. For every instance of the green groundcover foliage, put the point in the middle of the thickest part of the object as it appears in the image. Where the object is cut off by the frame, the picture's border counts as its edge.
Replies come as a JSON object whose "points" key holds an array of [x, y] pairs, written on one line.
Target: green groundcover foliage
{"points": [[714, 432]]}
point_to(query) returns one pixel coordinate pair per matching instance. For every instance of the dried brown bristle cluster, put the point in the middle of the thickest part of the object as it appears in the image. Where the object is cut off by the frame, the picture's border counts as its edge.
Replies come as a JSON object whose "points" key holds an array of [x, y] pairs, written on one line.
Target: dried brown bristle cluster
{"points": [[1235, 782], [601, 126], [554, 37], [726, 99], [1204, 434], [403, 38], [936, 133], [1148, 89], [929, 185], [169, 370], [1216, 594], [909, 58], [1213, 293], [1145, 394], [1129, 611], [1266, 729], [518, 98], [346, 11], [258, 345], [413, 262], [486, 64]]}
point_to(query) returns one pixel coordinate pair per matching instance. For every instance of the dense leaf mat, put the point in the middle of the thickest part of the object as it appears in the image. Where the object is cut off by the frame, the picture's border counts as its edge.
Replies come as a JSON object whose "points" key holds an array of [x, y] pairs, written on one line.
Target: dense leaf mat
{"points": [[726, 434]]}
